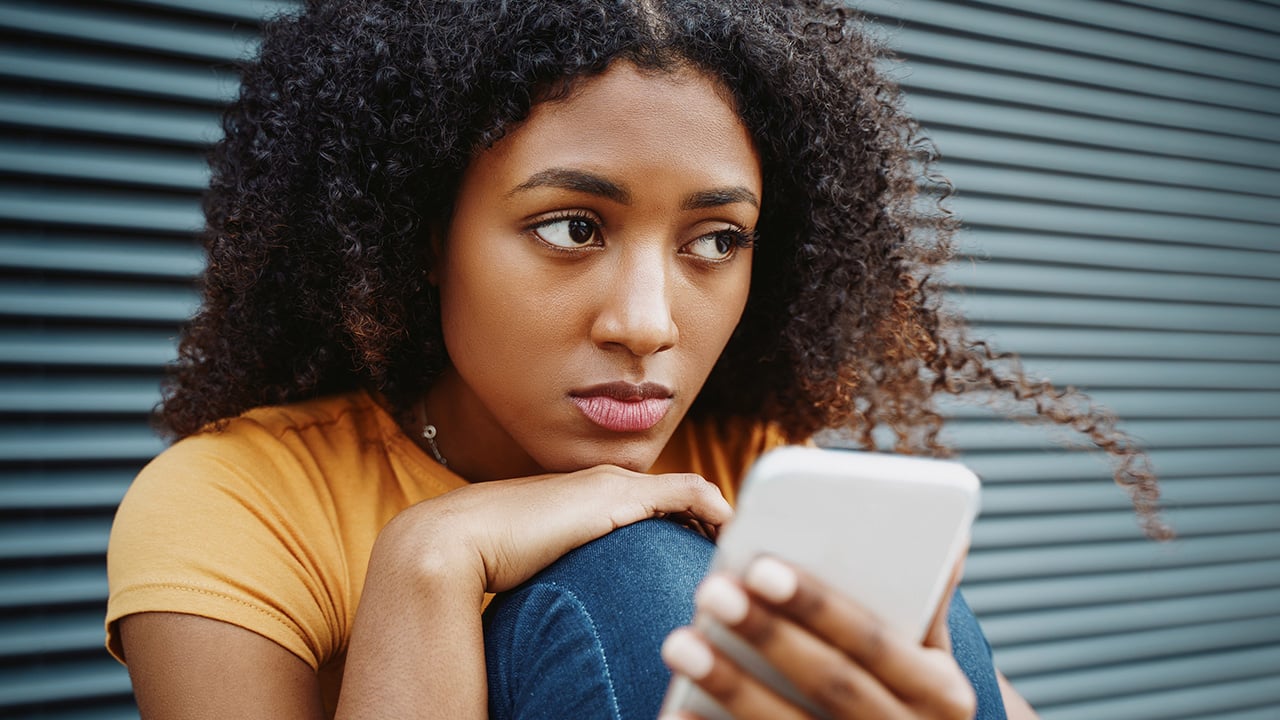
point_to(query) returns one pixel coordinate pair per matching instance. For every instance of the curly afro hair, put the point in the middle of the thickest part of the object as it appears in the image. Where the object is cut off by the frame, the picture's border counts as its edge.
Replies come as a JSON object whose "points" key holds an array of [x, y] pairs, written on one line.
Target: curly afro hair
{"points": [[344, 148]]}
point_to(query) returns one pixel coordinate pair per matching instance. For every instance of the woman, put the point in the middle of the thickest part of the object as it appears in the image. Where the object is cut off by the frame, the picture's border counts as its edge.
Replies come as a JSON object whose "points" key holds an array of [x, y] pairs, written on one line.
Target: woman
{"points": [[491, 285]]}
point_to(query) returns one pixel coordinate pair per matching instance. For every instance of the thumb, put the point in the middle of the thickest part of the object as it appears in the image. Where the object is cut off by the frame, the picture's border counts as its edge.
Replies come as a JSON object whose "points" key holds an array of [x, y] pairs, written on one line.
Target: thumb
{"points": [[939, 633]]}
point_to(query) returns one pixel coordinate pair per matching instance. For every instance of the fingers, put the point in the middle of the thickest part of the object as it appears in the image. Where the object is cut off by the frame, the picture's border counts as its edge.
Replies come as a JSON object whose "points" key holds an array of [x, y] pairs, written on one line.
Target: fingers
{"points": [[824, 674], [832, 650], [684, 497], [687, 652]]}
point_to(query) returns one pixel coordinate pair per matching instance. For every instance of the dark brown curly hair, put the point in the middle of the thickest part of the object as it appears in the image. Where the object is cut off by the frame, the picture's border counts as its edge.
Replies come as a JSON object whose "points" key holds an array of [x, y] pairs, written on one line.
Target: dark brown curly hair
{"points": [[343, 152]]}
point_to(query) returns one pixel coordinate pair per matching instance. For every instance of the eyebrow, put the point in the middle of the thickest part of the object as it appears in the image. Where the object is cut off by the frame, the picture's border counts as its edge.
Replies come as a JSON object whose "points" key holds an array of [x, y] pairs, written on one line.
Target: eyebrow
{"points": [[576, 180], [592, 184], [720, 196]]}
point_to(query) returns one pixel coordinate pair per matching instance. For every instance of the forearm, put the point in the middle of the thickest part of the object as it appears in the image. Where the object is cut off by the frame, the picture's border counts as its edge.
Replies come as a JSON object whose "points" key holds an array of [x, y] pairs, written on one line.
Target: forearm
{"points": [[416, 649]]}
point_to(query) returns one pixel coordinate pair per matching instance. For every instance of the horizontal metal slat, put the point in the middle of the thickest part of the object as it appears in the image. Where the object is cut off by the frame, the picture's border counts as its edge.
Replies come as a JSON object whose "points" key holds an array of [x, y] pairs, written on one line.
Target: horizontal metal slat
{"points": [[1027, 595], [166, 36], [1082, 527], [944, 111], [77, 631], [45, 587], [1126, 373], [1096, 102], [1148, 23], [1057, 66], [132, 167], [1126, 647], [1004, 629], [132, 442], [1239, 12], [1044, 467], [63, 489], [250, 10], [62, 681], [1011, 499], [1108, 193], [1100, 282], [981, 308], [180, 259], [102, 71], [153, 122], [1134, 404], [1114, 253], [1164, 675], [143, 303], [1266, 711], [964, 146], [984, 435], [78, 395], [98, 348], [1031, 217], [1018, 563], [1001, 26], [1129, 343], [1190, 700], [54, 538], [148, 212]]}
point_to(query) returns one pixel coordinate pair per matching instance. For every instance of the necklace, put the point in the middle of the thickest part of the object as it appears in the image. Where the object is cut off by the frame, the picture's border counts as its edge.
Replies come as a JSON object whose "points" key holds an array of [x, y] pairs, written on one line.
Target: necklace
{"points": [[429, 434]]}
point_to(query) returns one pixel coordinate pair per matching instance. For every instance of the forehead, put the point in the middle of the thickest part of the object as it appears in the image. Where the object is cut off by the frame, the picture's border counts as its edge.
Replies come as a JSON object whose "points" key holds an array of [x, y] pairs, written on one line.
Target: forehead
{"points": [[633, 122]]}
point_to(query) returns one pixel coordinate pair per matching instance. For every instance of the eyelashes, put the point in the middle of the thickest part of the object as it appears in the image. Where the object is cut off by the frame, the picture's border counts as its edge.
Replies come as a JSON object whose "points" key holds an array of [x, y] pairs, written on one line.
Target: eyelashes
{"points": [[576, 231]]}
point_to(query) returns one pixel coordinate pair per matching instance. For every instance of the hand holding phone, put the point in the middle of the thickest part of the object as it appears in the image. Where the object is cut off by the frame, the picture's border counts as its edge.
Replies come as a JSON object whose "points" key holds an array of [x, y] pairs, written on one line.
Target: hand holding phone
{"points": [[884, 531]]}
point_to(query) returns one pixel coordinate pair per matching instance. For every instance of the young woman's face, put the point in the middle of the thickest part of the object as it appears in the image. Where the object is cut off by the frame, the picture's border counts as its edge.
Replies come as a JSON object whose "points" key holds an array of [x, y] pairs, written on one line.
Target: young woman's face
{"points": [[592, 273]]}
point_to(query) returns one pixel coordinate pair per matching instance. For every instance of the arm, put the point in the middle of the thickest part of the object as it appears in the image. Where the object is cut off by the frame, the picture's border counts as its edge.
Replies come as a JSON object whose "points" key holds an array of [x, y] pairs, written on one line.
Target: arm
{"points": [[416, 648], [1015, 706], [180, 669]]}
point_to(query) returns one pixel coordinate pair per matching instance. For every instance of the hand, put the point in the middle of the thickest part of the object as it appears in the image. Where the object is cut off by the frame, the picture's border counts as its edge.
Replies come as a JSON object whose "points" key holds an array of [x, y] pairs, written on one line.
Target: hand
{"points": [[508, 530], [831, 649]]}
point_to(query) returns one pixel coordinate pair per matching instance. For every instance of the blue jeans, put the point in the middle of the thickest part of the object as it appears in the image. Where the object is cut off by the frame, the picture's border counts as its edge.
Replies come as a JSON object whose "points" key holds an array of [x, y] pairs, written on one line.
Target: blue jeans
{"points": [[581, 639]]}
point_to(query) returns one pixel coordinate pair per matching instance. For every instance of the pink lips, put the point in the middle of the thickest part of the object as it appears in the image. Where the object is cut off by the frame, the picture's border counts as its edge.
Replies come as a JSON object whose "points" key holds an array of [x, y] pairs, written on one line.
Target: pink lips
{"points": [[624, 407]]}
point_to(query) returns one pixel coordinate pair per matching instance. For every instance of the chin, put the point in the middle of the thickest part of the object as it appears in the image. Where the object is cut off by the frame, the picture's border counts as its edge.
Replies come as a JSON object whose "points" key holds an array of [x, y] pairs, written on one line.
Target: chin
{"points": [[637, 456]]}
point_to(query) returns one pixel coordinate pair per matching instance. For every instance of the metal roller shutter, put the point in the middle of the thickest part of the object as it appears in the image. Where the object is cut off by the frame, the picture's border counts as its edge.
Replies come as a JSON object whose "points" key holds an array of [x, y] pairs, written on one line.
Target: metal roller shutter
{"points": [[1117, 165], [1118, 168], [106, 109]]}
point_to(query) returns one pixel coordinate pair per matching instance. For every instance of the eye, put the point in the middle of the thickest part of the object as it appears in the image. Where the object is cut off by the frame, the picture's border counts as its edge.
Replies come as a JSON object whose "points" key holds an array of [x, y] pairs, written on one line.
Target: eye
{"points": [[569, 232], [719, 246]]}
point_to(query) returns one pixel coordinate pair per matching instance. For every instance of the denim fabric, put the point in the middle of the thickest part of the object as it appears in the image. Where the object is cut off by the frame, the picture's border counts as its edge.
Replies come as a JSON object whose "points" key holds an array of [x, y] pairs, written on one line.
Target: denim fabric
{"points": [[581, 639]]}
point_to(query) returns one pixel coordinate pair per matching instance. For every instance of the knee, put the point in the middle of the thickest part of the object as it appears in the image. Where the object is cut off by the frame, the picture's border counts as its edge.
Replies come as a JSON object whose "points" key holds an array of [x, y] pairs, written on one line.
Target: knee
{"points": [[649, 568], [651, 554]]}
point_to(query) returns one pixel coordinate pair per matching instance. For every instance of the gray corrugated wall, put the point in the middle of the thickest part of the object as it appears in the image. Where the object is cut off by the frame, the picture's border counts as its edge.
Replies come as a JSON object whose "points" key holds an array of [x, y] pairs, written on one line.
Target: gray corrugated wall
{"points": [[1118, 168]]}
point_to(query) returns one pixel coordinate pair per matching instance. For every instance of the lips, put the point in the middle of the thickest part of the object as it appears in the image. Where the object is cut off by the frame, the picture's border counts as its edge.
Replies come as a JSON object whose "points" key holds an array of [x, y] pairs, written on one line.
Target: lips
{"points": [[623, 406]]}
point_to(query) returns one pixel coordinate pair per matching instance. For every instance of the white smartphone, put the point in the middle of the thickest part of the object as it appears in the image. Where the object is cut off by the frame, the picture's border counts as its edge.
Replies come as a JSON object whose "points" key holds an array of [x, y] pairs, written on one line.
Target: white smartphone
{"points": [[885, 530]]}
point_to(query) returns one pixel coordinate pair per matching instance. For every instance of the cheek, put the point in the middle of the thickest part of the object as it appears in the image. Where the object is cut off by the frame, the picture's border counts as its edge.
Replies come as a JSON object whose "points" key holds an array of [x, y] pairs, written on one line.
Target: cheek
{"points": [[497, 311], [714, 313]]}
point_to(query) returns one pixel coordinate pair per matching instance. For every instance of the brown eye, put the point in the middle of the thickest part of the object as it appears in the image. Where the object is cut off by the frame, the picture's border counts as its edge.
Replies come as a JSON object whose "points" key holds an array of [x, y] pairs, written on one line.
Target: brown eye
{"points": [[717, 246], [569, 232]]}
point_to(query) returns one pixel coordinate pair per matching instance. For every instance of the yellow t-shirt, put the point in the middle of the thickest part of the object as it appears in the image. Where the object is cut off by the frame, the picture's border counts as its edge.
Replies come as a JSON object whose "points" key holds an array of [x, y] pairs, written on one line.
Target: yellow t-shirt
{"points": [[268, 524]]}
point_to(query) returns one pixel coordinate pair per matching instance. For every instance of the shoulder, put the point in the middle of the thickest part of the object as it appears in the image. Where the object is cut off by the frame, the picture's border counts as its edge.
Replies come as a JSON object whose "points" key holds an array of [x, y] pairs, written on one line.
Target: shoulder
{"points": [[279, 442], [254, 523]]}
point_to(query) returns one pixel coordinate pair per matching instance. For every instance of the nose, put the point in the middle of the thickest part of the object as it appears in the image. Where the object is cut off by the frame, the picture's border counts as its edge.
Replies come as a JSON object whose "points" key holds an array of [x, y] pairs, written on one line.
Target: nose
{"points": [[636, 312]]}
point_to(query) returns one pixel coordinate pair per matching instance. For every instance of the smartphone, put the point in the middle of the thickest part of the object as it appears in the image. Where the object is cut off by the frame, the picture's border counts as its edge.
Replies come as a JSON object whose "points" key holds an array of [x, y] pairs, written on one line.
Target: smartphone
{"points": [[885, 530]]}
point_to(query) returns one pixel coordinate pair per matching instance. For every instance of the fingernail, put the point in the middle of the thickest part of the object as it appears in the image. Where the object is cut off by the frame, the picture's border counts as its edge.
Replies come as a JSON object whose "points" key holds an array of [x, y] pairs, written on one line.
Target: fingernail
{"points": [[721, 599], [686, 654], [772, 580]]}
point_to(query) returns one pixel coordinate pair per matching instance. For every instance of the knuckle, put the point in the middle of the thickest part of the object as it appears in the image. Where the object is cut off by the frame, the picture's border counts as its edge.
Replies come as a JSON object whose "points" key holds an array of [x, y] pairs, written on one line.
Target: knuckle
{"points": [[722, 683], [837, 691], [758, 628], [873, 645]]}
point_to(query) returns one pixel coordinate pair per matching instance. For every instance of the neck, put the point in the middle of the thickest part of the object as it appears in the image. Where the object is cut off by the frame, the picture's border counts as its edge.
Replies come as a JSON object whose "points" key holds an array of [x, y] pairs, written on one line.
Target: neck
{"points": [[467, 435]]}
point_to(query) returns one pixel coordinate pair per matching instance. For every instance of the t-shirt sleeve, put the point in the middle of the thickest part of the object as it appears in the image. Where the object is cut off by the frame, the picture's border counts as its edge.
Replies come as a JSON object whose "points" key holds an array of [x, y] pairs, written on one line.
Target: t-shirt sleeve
{"points": [[208, 532]]}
